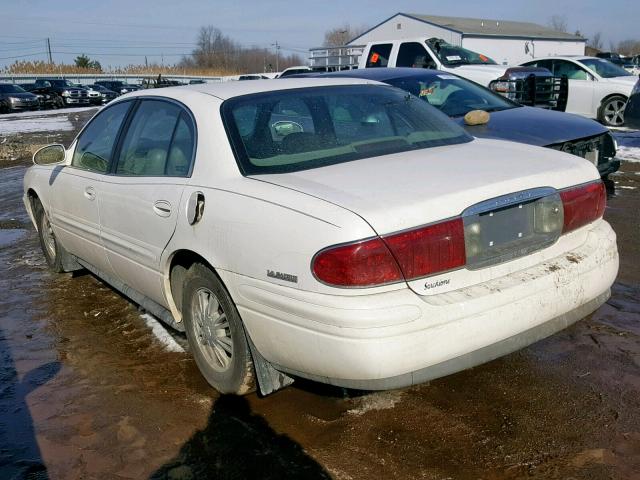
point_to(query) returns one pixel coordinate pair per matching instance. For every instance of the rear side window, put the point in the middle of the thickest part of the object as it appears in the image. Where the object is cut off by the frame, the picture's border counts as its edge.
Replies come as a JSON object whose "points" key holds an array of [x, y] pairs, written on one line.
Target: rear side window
{"points": [[159, 141], [379, 55], [96, 143], [413, 54]]}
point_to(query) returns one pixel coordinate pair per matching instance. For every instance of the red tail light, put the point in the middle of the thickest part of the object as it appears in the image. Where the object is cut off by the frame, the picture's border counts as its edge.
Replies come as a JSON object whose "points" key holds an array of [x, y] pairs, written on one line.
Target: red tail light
{"points": [[583, 205], [360, 264], [406, 255], [428, 250]]}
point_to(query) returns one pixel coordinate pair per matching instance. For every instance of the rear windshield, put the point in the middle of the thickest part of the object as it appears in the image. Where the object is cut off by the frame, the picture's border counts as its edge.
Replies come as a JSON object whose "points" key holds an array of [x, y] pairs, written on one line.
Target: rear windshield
{"points": [[299, 129]]}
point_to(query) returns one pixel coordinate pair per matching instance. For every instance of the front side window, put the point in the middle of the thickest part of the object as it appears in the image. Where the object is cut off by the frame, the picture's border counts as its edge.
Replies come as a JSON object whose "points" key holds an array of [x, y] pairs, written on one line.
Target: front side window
{"points": [[299, 129], [379, 55], [96, 143], [452, 95], [570, 69], [158, 141], [413, 54]]}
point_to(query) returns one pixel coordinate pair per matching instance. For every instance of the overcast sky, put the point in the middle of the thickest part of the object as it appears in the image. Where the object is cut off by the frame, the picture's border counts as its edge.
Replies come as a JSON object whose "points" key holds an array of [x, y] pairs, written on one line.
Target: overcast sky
{"points": [[119, 32]]}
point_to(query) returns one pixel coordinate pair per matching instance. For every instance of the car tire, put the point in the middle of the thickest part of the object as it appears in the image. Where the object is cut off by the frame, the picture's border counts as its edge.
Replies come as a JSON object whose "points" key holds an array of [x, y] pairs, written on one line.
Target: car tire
{"points": [[52, 250], [215, 333], [611, 111], [59, 102]]}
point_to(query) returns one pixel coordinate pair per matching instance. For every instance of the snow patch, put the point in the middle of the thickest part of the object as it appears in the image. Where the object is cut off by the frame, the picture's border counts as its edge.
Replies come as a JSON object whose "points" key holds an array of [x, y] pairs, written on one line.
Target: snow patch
{"points": [[37, 124], [161, 333], [45, 113], [376, 401], [628, 145]]}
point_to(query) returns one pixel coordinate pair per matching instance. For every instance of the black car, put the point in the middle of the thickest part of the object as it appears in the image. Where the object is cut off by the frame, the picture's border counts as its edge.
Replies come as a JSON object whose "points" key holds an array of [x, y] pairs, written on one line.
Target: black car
{"points": [[456, 96], [117, 86], [46, 98], [16, 99], [614, 58], [632, 110], [65, 93]]}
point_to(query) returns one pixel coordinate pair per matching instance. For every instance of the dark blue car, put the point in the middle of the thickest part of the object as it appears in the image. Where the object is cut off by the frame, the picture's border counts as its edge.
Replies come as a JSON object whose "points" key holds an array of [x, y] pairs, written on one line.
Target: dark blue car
{"points": [[632, 111], [457, 96]]}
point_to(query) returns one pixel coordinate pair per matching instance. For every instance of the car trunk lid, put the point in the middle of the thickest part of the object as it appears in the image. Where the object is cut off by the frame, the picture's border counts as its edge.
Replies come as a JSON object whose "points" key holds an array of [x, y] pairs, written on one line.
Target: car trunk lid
{"points": [[497, 187]]}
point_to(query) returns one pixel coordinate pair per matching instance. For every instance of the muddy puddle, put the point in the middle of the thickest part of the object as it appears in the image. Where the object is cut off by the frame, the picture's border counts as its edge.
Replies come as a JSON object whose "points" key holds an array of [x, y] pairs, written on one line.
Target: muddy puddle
{"points": [[92, 388]]}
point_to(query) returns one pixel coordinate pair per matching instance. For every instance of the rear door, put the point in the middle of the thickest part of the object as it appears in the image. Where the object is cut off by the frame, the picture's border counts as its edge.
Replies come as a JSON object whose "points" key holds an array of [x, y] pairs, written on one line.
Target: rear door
{"points": [[76, 188], [379, 55], [140, 204]]}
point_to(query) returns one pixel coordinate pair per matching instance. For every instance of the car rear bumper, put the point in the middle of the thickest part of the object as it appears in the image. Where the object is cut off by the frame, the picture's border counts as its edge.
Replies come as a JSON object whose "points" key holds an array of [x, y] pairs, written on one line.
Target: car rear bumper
{"points": [[398, 338]]}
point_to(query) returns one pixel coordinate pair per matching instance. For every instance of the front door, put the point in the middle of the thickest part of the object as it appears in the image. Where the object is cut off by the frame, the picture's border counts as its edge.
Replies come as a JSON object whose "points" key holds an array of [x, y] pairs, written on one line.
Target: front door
{"points": [[581, 87], [140, 204], [76, 188]]}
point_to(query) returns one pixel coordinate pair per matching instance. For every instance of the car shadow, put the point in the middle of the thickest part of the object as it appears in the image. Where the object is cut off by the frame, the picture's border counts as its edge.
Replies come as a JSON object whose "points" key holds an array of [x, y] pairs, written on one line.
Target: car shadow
{"points": [[238, 444], [20, 456]]}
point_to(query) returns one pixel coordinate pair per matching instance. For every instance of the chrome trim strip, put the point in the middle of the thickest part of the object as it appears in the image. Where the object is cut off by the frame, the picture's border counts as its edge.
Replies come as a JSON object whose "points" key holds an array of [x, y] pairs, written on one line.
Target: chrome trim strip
{"points": [[508, 200]]}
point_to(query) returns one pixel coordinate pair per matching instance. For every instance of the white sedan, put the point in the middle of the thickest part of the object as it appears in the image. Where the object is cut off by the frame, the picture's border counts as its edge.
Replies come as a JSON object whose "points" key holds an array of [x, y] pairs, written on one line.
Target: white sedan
{"points": [[598, 89], [336, 229]]}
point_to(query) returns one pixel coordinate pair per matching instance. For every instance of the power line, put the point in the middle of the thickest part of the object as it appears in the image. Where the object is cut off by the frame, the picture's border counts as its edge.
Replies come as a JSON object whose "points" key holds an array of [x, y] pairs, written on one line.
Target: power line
{"points": [[123, 54], [23, 56]]}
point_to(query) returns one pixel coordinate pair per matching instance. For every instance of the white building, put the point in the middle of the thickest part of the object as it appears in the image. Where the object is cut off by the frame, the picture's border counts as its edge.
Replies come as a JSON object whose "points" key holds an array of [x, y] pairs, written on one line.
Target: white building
{"points": [[505, 41]]}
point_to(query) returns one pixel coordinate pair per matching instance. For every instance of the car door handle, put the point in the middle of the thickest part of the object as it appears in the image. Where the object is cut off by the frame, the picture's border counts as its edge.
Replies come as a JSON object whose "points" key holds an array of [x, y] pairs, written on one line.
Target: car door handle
{"points": [[162, 208], [90, 193]]}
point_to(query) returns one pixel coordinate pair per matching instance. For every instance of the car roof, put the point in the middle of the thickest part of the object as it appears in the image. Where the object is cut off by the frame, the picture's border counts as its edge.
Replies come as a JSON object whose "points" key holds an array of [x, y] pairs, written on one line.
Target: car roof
{"points": [[564, 57], [377, 74], [230, 89]]}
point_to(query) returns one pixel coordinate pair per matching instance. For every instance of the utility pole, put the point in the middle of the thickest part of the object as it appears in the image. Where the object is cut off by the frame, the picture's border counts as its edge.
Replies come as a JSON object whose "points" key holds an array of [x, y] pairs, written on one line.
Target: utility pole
{"points": [[49, 50], [277, 55]]}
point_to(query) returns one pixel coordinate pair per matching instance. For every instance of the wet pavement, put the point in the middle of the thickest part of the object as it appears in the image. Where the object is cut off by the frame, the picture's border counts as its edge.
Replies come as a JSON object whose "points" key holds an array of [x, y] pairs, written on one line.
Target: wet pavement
{"points": [[88, 389]]}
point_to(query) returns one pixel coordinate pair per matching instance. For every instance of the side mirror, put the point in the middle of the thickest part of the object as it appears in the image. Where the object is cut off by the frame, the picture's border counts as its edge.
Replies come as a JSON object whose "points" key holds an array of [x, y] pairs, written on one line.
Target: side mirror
{"points": [[49, 155]]}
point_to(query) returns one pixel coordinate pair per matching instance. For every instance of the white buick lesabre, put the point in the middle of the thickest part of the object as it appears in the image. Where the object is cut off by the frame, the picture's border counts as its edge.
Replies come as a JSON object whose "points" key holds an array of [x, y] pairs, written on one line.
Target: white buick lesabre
{"points": [[337, 229]]}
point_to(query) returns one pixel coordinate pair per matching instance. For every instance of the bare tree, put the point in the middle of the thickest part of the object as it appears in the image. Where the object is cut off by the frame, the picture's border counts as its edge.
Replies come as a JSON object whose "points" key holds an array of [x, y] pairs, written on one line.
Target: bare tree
{"points": [[342, 35], [596, 41], [559, 23], [214, 50], [628, 47]]}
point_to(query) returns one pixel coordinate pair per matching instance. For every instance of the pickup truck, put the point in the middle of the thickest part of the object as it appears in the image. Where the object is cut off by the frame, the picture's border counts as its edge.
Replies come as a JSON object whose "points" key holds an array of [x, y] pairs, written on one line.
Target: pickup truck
{"points": [[63, 91], [528, 86]]}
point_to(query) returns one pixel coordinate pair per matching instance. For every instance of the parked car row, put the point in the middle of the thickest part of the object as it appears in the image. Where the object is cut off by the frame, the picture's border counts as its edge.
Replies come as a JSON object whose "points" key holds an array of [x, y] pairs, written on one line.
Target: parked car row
{"points": [[47, 93]]}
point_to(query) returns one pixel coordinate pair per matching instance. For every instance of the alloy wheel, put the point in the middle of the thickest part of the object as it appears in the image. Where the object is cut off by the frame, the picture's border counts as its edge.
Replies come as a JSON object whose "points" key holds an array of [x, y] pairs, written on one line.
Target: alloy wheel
{"points": [[212, 329], [614, 112]]}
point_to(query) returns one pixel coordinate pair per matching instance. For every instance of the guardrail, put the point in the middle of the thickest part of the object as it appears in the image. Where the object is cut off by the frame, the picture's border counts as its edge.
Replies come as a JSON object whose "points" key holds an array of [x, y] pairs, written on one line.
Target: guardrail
{"points": [[87, 78]]}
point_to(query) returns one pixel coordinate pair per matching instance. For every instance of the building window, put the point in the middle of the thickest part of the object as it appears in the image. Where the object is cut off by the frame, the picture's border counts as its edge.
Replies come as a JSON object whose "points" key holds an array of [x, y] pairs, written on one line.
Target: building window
{"points": [[398, 26]]}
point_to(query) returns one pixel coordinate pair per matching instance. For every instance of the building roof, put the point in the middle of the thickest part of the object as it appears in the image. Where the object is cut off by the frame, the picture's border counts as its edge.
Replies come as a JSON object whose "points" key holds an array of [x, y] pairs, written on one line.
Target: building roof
{"points": [[489, 27]]}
